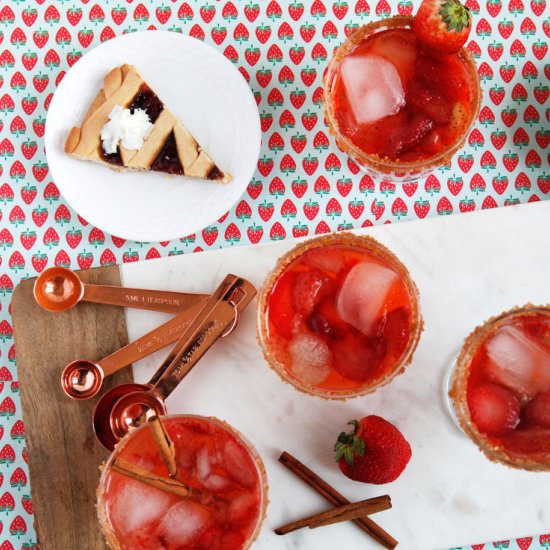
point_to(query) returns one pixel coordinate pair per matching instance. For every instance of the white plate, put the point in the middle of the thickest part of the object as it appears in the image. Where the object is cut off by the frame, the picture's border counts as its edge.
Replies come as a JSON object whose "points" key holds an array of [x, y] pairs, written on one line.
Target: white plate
{"points": [[201, 87]]}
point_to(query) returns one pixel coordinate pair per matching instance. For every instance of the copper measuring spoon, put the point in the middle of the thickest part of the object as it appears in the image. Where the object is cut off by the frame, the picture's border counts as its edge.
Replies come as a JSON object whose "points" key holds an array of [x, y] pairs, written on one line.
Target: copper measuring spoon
{"points": [[82, 379], [58, 288], [129, 405]]}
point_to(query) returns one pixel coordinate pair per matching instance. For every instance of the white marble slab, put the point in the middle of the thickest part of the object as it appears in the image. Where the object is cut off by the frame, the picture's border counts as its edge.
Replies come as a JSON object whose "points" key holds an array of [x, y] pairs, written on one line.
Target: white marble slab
{"points": [[467, 268]]}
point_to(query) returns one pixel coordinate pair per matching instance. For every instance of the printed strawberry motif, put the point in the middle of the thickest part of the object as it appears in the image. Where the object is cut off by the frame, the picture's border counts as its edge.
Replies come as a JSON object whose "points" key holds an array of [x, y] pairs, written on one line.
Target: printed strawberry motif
{"points": [[19, 479], [288, 210], [486, 118], [488, 202], [399, 208], [321, 186], [209, 235], [62, 259], [277, 232], [26, 502], [465, 161], [333, 208], [16, 261], [510, 161], [96, 237], [311, 209], [251, 11], [39, 216], [488, 161], [7, 503], [85, 259], [344, 186], [455, 185], [287, 120], [85, 37], [541, 93], [533, 160], [500, 183], [497, 93], [509, 116], [243, 211], [18, 527], [263, 33], [265, 210], [531, 115], [498, 139], [444, 207], [356, 208], [255, 233], [7, 454], [287, 165], [543, 138], [377, 208]]}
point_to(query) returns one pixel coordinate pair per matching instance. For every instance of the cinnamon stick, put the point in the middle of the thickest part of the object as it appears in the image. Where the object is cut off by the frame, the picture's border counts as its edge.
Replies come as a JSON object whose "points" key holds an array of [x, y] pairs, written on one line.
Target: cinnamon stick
{"points": [[165, 445], [166, 484], [336, 499], [340, 513]]}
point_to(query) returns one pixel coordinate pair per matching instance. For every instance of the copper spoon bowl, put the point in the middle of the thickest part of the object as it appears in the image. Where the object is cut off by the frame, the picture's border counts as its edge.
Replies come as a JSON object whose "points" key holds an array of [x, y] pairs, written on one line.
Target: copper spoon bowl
{"points": [[83, 379], [58, 289], [130, 405]]}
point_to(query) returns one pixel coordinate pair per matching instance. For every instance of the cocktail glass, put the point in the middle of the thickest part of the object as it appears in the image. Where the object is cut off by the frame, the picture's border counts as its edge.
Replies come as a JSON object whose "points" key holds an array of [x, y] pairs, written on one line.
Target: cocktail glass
{"points": [[500, 388], [339, 316], [423, 107], [213, 459]]}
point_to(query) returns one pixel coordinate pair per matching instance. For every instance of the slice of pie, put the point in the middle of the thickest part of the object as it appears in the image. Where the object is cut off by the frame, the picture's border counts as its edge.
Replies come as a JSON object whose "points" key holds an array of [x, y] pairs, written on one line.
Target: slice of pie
{"points": [[128, 127]]}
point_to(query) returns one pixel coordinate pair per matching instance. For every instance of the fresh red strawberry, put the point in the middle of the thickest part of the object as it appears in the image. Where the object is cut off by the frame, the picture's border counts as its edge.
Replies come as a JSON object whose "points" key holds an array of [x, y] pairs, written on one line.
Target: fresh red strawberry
{"points": [[374, 452], [443, 25], [494, 409]]}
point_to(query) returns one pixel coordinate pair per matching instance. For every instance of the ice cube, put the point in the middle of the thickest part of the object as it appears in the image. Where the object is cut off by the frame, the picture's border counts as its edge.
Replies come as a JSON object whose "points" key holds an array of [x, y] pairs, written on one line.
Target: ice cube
{"points": [[364, 293], [206, 464], [311, 358], [183, 523], [242, 509], [518, 362], [373, 87], [136, 506]]}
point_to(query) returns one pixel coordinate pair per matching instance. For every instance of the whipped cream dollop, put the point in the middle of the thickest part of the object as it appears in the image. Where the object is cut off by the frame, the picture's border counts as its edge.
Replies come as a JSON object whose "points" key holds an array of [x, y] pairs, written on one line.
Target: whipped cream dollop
{"points": [[131, 130]]}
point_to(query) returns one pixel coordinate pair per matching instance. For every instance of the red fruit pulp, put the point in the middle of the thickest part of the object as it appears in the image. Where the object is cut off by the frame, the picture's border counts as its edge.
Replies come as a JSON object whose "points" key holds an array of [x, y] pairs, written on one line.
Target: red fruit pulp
{"points": [[307, 335], [438, 99], [210, 458], [515, 417]]}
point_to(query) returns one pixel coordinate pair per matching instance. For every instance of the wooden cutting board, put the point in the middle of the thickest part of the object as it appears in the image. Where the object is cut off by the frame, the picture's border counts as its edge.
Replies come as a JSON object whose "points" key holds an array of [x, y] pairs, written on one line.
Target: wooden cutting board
{"points": [[64, 456]]}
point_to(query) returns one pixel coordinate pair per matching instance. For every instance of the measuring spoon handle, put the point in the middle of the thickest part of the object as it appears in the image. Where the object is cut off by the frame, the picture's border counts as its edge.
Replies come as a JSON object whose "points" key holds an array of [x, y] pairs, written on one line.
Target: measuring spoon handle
{"points": [[147, 344], [152, 300], [217, 317]]}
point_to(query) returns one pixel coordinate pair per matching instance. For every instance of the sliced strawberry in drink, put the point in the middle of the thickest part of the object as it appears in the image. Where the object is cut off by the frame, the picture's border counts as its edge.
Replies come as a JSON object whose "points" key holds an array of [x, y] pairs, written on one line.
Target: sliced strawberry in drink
{"points": [[325, 320], [430, 103], [309, 287], [281, 304], [494, 409], [403, 139], [537, 411], [397, 329], [359, 358]]}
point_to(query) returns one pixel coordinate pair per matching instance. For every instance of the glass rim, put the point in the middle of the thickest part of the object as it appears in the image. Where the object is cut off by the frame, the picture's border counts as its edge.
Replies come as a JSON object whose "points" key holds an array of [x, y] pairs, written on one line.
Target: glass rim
{"points": [[384, 165], [458, 386], [349, 239], [106, 528]]}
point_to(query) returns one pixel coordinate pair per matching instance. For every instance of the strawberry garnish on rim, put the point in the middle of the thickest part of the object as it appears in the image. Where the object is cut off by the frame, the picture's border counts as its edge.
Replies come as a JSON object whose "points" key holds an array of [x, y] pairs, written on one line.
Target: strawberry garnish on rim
{"points": [[443, 25]]}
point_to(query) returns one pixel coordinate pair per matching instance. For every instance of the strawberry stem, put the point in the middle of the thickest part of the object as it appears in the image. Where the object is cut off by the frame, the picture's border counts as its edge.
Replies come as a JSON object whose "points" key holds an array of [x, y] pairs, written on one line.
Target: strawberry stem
{"points": [[348, 445]]}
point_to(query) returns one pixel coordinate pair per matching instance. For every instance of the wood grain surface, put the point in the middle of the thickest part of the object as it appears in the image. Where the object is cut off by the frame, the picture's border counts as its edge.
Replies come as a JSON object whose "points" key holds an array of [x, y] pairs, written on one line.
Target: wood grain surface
{"points": [[64, 457]]}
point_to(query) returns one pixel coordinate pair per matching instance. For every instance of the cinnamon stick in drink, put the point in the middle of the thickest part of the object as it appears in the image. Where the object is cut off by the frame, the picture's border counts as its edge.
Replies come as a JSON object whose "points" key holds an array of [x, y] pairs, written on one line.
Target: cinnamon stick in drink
{"points": [[166, 484], [165, 445]]}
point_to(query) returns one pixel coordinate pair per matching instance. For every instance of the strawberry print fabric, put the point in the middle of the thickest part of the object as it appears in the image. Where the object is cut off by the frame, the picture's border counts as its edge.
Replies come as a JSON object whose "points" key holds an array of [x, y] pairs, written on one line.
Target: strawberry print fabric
{"points": [[303, 184], [524, 543]]}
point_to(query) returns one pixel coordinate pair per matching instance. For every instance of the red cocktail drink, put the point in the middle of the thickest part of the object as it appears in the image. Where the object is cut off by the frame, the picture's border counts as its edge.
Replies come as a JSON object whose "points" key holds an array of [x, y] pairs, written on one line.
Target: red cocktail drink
{"points": [[212, 458], [339, 316], [501, 388], [396, 106]]}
